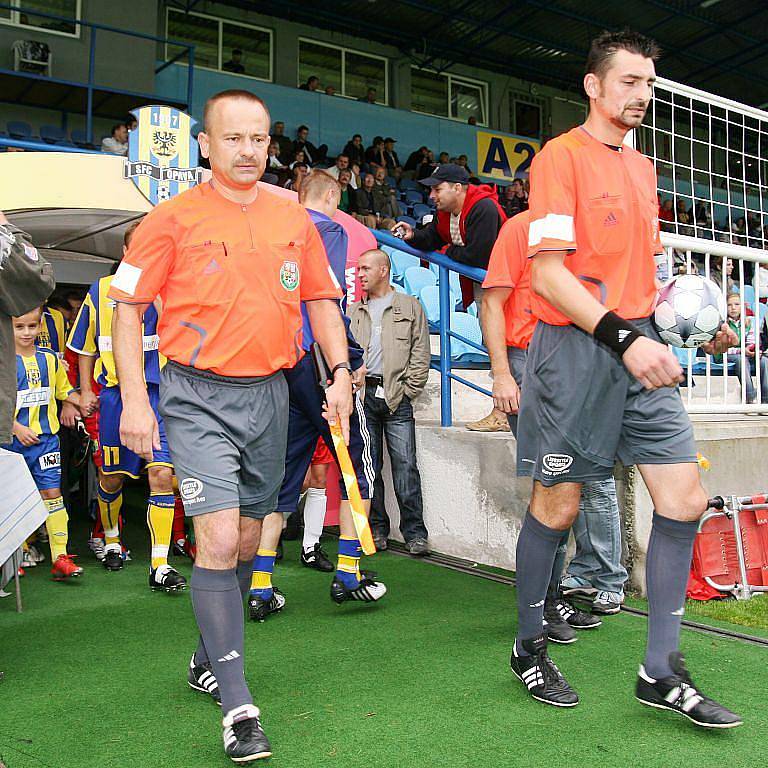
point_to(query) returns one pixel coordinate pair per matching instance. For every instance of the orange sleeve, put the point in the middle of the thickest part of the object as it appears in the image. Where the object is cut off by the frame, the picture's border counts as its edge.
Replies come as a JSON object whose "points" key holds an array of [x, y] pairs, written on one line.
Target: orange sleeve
{"points": [[552, 202], [658, 248], [509, 254], [317, 278], [144, 269]]}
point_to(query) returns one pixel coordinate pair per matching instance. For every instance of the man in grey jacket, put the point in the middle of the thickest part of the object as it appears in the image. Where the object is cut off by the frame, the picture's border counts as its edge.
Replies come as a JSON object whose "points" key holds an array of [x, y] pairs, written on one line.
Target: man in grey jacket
{"points": [[26, 281], [392, 329]]}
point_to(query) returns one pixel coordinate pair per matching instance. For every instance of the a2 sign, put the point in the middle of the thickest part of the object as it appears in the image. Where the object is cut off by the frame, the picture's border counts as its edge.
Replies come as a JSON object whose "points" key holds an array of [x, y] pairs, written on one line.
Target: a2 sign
{"points": [[504, 157]]}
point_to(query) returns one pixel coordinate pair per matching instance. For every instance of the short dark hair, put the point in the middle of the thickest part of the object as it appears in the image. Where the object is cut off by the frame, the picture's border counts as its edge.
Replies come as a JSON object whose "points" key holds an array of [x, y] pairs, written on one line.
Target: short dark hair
{"points": [[232, 93], [605, 45], [237, 52], [357, 136], [116, 126], [129, 230], [302, 128]]}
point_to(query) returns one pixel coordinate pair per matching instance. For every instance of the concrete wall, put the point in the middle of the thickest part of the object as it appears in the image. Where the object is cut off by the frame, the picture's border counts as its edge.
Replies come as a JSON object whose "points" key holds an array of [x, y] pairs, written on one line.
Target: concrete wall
{"points": [[474, 504]]}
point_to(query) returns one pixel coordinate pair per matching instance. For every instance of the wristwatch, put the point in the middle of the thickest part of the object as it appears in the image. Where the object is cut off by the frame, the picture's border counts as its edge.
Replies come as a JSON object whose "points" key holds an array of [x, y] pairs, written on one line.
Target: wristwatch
{"points": [[345, 365]]}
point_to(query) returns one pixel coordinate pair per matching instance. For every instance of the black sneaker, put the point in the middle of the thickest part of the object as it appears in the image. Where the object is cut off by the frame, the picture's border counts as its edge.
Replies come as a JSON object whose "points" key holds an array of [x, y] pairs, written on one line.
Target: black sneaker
{"points": [[573, 616], [166, 578], [556, 628], [540, 675], [201, 678], [678, 693], [367, 591], [113, 560], [317, 559], [244, 740], [259, 609]]}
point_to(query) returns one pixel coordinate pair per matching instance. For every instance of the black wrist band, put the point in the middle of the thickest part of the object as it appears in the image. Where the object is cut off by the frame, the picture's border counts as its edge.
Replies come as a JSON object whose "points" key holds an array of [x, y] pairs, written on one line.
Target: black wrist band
{"points": [[616, 333], [345, 365]]}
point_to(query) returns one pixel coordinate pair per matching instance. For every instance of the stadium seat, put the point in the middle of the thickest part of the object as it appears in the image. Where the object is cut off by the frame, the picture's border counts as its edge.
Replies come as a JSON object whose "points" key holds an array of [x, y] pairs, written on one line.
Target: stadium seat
{"points": [[52, 134], [400, 262], [430, 300], [472, 309], [391, 181], [413, 196], [452, 276], [420, 211], [18, 129], [80, 138], [416, 278], [749, 294], [407, 220], [469, 327], [407, 184]]}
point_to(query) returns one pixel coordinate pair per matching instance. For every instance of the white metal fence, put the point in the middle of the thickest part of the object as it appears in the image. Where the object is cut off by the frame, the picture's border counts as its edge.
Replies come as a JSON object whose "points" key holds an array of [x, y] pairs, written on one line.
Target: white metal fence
{"points": [[711, 158]]}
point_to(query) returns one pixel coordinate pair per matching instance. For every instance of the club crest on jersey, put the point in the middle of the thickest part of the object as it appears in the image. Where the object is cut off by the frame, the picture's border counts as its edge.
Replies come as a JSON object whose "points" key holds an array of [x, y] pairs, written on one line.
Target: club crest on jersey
{"points": [[289, 275], [162, 153]]}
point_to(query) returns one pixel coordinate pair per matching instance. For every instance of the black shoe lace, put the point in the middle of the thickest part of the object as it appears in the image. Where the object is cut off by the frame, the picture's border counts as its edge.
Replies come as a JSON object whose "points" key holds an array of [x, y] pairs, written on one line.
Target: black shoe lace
{"points": [[549, 671]]}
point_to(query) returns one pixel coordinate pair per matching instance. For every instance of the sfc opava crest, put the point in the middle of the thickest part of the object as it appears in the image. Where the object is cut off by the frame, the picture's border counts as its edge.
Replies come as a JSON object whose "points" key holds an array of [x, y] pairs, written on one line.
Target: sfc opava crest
{"points": [[162, 153], [289, 275]]}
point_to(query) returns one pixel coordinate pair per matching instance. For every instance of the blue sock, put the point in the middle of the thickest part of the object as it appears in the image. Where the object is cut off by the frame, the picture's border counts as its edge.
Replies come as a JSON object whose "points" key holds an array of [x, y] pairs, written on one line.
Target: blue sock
{"points": [[261, 579], [347, 569]]}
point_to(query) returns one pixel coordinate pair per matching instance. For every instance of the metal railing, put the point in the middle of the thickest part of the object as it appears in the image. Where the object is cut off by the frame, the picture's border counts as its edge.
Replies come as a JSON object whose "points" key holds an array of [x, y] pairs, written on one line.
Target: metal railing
{"points": [[90, 85], [445, 266]]}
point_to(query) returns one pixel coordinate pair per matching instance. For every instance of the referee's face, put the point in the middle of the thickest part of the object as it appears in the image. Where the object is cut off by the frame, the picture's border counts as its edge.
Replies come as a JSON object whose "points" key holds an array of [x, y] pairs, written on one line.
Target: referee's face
{"points": [[624, 92], [236, 142]]}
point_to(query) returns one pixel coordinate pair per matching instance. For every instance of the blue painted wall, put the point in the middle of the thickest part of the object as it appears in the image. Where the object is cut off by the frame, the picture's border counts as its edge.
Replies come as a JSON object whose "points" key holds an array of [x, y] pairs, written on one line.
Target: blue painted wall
{"points": [[332, 119]]}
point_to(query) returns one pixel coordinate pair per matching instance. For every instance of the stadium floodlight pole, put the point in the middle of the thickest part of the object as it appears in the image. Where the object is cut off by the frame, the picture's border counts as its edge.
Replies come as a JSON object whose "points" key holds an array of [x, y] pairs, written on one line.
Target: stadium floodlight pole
{"points": [[359, 518]]}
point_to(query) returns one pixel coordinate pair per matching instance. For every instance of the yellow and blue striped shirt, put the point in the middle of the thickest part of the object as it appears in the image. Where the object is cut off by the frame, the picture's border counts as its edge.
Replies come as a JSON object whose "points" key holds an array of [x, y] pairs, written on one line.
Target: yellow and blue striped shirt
{"points": [[91, 335], [40, 381], [53, 333]]}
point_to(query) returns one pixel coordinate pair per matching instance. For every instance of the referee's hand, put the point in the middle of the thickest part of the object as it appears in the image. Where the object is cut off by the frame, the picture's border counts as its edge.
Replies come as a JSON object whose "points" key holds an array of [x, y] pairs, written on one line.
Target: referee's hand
{"points": [[506, 393], [652, 364], [338, 402], [138, 429]]}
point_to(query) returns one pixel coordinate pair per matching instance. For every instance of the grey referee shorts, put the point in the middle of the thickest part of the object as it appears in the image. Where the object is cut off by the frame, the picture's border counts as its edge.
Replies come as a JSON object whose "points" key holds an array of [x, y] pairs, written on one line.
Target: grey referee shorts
{"points": [[227, 438], [581, 410], [516, 357]]}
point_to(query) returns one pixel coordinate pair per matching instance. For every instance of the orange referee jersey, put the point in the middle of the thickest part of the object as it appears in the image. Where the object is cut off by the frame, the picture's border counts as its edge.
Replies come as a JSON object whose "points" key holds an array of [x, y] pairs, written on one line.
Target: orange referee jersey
{"points": [[231, 278], [600, 205], [509, 267]]}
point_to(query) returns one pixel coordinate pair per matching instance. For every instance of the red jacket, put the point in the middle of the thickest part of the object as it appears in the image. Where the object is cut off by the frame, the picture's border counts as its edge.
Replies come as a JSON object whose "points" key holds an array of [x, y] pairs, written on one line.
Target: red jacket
{"points": [[474, 193]]}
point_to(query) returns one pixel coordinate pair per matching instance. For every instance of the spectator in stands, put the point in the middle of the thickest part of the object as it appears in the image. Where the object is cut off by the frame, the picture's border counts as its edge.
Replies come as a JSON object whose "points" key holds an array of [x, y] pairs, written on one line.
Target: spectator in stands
{"points": [[345, 198], [381, 186], [392, 329], [298, 172], [117, 142], [312, 154], [370, 96], [719, 266], [235, 63], [312, 84], [468, 221], [298, 157], [754, 230], [374, 155], [471, 120], [391, 160], [443, 158], [368, 204], [739, 231], [667, 216], [330, 90], [745, 362], [415, 162], [683, 218], [355, 151], [463, 161], [131, 123], [515, 200], [342, 164], [275, 166], [285, 145]]}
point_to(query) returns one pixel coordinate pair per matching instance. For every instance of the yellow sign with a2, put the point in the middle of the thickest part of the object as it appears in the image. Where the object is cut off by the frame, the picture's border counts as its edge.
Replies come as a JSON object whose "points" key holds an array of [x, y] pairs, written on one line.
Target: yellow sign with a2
{"points": [[504, 157]]}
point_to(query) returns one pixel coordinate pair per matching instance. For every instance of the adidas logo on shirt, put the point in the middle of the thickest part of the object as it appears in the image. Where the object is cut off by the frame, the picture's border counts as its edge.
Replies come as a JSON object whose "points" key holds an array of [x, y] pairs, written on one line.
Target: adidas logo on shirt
{"points": [[212, 268], [610, 220]]}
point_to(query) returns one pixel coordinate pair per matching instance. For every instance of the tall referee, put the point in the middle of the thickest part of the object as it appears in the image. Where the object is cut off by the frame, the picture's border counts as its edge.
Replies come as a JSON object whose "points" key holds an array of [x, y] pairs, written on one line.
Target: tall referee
{"points": [[598, 383], [232, 264]]}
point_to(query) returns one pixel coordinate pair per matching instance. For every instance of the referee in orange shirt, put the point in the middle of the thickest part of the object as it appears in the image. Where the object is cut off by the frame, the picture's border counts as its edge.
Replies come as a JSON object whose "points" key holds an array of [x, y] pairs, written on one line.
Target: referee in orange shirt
{"points": [[231, 263], [599, 384]]}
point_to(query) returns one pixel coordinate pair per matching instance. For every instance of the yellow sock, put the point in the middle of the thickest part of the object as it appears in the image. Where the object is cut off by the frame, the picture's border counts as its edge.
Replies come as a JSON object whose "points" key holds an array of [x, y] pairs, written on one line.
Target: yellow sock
{"points": [[109, 511], [56, 525], [263, 565], [160, 523]]}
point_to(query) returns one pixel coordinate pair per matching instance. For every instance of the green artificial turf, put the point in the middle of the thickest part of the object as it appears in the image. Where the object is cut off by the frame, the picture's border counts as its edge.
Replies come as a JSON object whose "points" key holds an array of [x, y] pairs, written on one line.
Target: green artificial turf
{"points": [[95, 677]]}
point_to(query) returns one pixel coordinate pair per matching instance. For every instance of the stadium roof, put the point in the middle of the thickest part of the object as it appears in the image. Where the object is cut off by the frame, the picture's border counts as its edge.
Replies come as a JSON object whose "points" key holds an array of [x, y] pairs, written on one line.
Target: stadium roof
{"points": [[716, 45]]}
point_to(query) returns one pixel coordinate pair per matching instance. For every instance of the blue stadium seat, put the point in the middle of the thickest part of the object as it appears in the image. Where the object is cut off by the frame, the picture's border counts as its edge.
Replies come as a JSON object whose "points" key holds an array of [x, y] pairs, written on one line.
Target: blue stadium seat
{"points": [[406, 184], [429, 297], [400, 262], [469, 327], [413, 196], [52, 134], [416, 278], [79, 138], [407, 220], [472, 309], [18, 129], [749, 293], [391, 181], [398, 288], [420, 211], [452, 276]]}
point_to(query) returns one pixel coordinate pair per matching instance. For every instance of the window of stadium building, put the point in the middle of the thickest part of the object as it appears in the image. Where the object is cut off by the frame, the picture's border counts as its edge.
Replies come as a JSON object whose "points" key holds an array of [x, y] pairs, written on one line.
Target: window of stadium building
{"points": [[447, 95], [350, 72], [525, 116], [224, 45], [23, 15]]}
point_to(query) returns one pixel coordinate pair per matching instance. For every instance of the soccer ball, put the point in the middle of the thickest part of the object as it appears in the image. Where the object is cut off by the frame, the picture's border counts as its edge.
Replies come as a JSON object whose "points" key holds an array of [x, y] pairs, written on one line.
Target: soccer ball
{"points": [[689, 311]]}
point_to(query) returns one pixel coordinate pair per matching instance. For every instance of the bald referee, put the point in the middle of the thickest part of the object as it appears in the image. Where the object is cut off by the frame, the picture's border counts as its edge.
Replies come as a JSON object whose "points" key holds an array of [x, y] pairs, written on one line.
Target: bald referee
{"points": [[232, 264], [599, 384]]}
